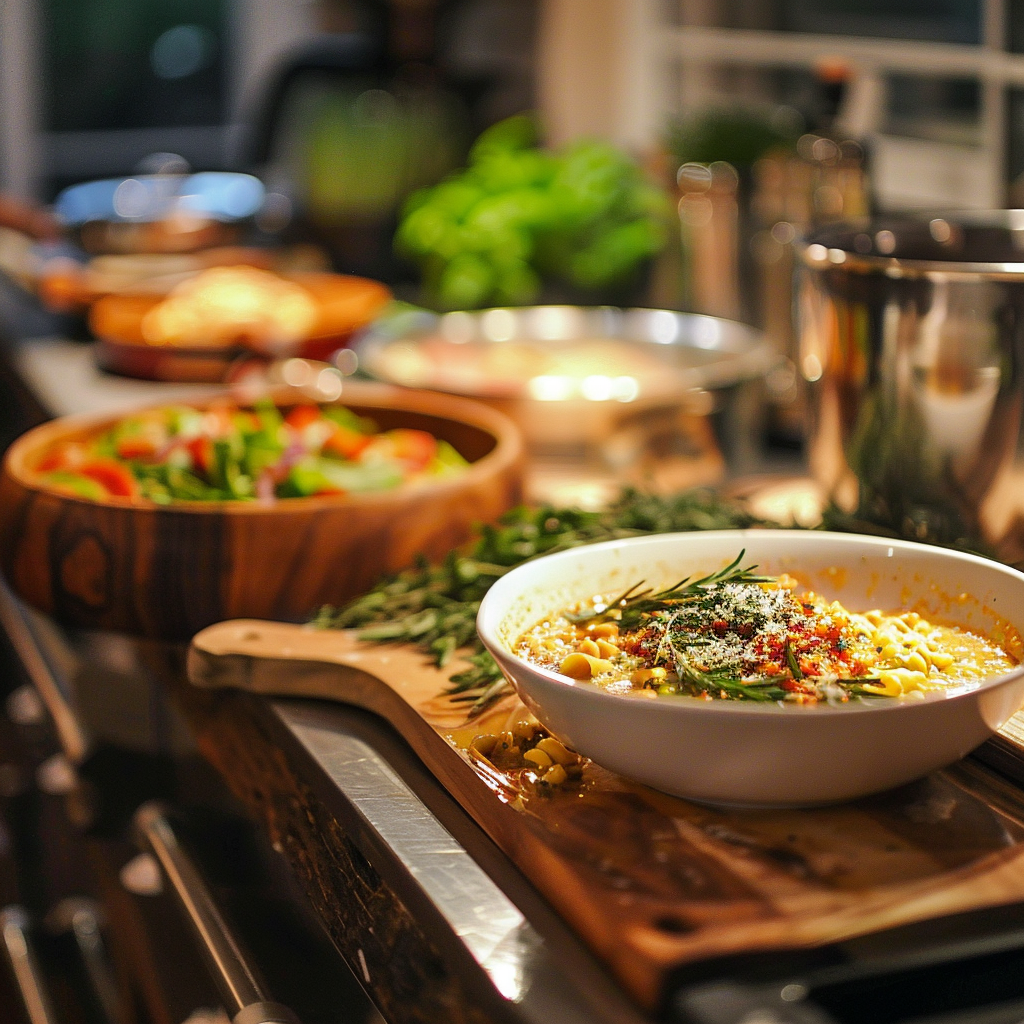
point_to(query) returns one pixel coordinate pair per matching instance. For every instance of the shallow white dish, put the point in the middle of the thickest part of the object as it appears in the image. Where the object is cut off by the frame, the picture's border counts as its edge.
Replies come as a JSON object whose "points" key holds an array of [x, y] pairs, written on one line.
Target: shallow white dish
{"points": [[732, 752]]}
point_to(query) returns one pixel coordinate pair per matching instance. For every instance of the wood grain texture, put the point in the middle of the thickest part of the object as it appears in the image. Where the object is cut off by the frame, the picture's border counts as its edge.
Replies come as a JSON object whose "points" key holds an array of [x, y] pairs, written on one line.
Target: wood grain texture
{"points": [[652, 882], [167, 571]]}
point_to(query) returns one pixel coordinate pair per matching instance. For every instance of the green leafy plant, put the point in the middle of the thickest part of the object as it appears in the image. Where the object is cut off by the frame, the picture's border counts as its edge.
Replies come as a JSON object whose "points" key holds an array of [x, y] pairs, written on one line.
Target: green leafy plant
{"points": [[520, 215]]}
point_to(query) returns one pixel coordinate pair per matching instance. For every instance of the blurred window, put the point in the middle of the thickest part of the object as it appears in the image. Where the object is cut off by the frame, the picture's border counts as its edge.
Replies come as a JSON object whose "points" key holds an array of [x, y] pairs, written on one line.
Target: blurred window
{"points": [[924, 83], [943, 109], [1016, 28], [115, 64], [939, 21], [1015, 147]]}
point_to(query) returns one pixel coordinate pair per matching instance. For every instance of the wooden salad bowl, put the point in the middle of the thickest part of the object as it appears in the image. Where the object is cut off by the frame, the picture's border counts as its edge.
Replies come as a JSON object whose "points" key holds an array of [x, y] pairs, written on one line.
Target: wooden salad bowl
{"points": [[166, 571]]}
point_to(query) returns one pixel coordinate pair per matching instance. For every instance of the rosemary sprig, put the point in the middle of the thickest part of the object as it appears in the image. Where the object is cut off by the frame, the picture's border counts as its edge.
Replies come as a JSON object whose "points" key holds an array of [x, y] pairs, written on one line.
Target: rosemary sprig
{"points": [[435, 606], [696, 681], [760, 688], [792, 664], [856, 686], [631, 606]]}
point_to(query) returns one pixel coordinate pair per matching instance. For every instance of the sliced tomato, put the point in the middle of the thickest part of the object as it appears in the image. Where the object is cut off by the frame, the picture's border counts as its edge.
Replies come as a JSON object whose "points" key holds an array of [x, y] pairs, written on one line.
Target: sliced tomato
{"points": [[201, 450], [300, 416], [346, 443], [415, 448], [324, 491], [116, 478], [136, 446]]}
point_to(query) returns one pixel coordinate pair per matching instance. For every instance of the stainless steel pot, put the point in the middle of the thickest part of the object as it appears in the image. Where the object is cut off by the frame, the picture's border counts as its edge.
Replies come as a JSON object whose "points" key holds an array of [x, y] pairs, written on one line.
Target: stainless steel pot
{"points": [[912, 349]]}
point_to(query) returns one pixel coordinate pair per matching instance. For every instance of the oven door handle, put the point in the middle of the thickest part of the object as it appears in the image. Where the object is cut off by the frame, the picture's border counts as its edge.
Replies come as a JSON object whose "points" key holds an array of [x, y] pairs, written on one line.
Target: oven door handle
{"points": [[28, 975], [230, 967]]}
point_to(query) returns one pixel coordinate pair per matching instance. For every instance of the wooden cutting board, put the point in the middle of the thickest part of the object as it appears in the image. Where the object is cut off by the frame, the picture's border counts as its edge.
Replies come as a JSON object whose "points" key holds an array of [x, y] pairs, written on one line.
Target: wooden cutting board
{"points": [[652, 882]]}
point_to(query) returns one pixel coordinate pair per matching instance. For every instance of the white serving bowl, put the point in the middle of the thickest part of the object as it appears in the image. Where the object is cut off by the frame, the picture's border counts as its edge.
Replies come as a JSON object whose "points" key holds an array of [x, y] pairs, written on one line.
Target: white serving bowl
{"points": [[733, 752]]}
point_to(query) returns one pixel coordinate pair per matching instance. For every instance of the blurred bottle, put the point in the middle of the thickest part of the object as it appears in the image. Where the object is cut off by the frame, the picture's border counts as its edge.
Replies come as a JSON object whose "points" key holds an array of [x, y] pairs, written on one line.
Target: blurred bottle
{"points": [[715, 150], [709, 234], [750, 186], [823, 181]]}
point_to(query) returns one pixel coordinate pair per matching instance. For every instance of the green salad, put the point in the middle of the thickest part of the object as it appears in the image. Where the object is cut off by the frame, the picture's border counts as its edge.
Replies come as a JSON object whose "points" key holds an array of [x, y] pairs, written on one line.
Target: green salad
{"points": [[224, 452]]}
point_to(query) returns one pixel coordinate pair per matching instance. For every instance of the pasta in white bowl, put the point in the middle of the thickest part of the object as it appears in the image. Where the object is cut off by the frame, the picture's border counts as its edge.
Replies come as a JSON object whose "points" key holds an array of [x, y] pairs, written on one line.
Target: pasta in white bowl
{"points": [[812, 668]]}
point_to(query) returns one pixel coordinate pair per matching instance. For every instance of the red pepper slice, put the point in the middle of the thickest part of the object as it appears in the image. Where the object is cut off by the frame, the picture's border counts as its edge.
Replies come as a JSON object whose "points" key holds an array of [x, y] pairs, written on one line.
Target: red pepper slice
{"points": [[112, 475], [201, 450], [138, 446], [51, 462], [346, 443], [300, 416]]}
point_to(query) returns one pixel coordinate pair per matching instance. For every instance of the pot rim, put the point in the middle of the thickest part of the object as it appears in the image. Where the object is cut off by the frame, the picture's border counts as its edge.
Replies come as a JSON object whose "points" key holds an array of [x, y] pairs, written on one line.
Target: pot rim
{"points": [[817, 254]]}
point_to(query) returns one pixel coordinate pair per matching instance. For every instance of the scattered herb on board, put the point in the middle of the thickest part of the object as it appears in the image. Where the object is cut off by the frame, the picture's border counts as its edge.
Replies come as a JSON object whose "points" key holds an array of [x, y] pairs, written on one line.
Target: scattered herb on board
{"points": [[435, 606]]}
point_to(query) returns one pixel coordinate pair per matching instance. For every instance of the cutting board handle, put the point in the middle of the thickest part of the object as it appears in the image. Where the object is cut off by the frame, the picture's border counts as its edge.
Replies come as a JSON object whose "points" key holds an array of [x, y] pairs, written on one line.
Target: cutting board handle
{"points": [[396, 681], [261, 656]]}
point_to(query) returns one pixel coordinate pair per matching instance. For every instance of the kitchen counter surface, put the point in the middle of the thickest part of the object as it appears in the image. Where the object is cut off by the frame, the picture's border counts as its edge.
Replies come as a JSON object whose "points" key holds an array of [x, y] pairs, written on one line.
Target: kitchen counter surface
{"points": [[430, 917]]}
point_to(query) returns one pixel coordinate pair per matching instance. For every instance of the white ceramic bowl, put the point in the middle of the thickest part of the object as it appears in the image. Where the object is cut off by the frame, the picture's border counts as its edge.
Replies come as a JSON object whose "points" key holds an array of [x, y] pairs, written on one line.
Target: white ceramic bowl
{"points": [[732, 752]]}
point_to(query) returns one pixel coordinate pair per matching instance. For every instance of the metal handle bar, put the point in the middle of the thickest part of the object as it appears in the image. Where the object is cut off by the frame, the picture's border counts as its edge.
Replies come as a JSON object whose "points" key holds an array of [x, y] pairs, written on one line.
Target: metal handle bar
{"points": [[28, 976], [235, 978]]}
